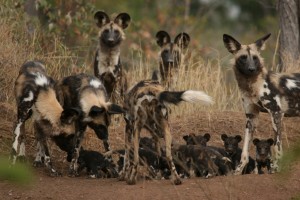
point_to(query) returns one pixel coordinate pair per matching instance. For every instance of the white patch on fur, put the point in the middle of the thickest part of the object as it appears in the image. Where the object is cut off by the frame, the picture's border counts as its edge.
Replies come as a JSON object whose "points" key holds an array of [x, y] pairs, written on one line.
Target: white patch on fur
{"points": [[264, 89], [17, 133], [41, 79], [149, 98], [30, 97], [107, 63], [197, 96], [290, 83], [40, 152], [22, 149], [95, 83], [265, 101], [277, 99]]}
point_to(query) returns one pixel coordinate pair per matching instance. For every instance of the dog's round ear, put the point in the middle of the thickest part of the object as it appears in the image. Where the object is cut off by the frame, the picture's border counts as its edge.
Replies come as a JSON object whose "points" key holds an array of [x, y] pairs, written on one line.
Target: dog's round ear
{"points": [[123, 20], [224, 136], [238, 138], [231, 44], [270, 141], [162, 38], [101, 18], [182, 40], [186, 137], [96, 111], [207, 137], [256, 141], [70, 115]]}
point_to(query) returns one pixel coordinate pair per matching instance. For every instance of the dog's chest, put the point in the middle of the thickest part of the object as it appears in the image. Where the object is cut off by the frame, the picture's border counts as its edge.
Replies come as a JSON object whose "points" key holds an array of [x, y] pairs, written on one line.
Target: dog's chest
{"points": [[280, 93]]}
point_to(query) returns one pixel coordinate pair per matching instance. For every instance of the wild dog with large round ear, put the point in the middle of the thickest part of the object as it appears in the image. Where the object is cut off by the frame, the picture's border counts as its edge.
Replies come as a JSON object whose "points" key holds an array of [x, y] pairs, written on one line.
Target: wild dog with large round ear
{"points": [[262, 91], [35, 97], [89, 95], [171, 55], [107, 63]]}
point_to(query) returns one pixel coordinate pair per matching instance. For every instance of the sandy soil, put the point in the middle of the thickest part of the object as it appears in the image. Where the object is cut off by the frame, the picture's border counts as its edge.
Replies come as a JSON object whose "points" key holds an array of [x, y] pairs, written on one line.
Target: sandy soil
{"points": [[275, 186]]}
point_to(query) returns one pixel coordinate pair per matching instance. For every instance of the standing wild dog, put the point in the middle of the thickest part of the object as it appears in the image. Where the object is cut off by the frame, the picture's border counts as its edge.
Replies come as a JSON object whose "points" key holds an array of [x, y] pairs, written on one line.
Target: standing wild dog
{"points": [[89, 95], [171, 56], [35, 96], [107, 64], [262, 90], [145, 105]]}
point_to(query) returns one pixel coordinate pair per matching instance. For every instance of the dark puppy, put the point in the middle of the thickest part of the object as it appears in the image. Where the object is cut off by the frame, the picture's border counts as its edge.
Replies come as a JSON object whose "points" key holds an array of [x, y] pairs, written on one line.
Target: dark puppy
{"points": [[194, 159], [148, 158], [214, 152], [231, 144], [95, 162], [263, 154]]}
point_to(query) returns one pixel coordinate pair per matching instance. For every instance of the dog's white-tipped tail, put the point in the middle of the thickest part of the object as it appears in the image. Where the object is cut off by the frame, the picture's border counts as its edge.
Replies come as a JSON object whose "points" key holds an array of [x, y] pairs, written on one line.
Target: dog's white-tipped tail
{"points": [[194, 96]]}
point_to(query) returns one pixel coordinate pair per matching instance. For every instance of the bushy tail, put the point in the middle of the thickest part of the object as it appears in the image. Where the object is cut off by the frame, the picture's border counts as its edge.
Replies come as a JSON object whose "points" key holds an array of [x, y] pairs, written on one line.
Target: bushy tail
{"points": [[191, 96]]}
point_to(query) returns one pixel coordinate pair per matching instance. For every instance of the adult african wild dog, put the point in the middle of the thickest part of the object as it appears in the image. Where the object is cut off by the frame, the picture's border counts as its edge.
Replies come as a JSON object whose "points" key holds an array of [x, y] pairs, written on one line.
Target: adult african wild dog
{"points": [[107, 63], [171, 56], [145, 105], [35, 96], [89, 95], [276, 93]]}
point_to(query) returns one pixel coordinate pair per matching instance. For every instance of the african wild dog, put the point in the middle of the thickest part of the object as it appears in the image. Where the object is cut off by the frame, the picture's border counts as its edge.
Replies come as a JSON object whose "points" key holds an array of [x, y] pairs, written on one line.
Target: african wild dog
{"points": [[196, 160], [263, 154], [193, 139], [95, 162], [89, 95], [231, 145], [35, 96], [145, 105], [262, 90], [107, 63], [217, 154], [171, 56]]}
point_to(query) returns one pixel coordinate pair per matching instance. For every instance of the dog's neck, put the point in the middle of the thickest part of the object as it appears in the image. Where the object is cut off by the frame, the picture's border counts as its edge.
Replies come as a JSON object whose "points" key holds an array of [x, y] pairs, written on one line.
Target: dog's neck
{"points": [[108, 58]]}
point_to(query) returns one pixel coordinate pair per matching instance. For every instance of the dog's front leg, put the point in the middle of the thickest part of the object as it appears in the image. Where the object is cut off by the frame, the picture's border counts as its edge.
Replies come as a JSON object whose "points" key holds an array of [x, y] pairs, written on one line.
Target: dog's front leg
{"points": [[252, 112], [276, 123]]}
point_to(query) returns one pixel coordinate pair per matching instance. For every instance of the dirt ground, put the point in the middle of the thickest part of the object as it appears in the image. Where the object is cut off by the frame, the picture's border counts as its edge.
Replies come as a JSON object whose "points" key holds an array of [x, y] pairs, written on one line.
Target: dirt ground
{"points": [[274, 186]]}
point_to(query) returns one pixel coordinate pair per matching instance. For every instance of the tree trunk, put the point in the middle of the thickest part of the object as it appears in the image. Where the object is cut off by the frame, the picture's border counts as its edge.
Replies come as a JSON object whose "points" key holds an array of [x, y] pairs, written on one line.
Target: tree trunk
{"points": [[288, 11]]}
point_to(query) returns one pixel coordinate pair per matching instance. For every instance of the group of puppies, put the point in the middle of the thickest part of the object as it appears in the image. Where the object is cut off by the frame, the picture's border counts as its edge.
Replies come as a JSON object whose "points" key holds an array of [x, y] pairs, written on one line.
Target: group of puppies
{"points": [[194, 159]]}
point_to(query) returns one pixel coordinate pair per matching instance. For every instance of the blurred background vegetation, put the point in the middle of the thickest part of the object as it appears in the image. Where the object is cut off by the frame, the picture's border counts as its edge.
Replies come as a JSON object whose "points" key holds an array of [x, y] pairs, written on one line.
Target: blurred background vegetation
{"points": [[205, 20]]}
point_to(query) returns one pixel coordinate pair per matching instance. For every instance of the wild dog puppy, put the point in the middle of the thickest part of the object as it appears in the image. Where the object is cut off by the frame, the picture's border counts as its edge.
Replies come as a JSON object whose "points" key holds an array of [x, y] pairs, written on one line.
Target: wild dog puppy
{"points": [[231, 145], [193, 139], [89, 95], [171, 56], [195, 160], [147, 158], [145, 105], [95, 162], [263, 154], [107, 64], [217, 154], [35, 96], [262, 90]]}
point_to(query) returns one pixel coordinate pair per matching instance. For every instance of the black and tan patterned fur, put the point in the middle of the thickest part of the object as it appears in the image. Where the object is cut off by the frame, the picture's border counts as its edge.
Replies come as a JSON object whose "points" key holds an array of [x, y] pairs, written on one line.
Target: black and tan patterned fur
{"points": [[88, 94], [146, 107], [107, 63], [35, 97], [263, 154], [276, 93], [171, 56]]}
